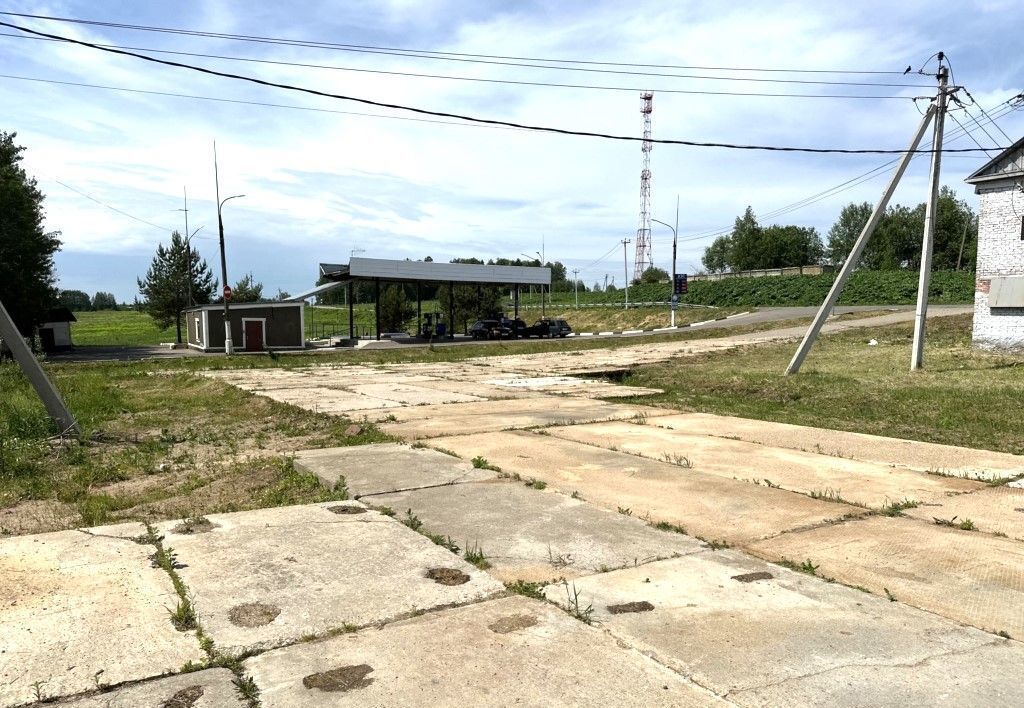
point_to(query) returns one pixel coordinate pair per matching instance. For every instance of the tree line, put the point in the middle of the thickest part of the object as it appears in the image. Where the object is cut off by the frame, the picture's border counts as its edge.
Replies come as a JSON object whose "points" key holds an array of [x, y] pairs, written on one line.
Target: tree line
{"points": [[896, 243], [79, 301]]}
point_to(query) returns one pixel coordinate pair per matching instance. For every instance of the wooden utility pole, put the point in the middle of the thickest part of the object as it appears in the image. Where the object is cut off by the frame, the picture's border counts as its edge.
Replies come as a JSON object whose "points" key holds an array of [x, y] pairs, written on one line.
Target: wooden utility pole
{"points": [[931, 210], [45, 389]]}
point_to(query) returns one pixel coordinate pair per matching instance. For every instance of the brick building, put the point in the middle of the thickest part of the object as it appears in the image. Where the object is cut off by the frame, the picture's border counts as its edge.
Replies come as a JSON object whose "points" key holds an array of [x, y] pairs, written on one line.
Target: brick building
{"points": [[999, 287]]}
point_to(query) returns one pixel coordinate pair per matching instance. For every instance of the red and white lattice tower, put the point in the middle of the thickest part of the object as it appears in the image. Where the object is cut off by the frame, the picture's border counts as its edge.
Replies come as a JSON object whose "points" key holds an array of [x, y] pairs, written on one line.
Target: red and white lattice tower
{"points": [[643, 259]]}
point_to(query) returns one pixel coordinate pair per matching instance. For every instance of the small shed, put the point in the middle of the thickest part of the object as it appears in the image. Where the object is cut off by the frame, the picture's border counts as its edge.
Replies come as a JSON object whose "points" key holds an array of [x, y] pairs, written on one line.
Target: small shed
{"points": [[999, 283], [55, 332], [255, 327]]}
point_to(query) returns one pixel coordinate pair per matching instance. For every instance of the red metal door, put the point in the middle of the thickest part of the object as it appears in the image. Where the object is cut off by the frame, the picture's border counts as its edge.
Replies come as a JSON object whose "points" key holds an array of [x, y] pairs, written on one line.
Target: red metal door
{"points": [[254, 336]]}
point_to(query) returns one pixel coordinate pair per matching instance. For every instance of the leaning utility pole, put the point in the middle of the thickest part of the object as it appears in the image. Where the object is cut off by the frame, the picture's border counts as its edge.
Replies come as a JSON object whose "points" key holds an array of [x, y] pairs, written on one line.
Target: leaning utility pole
{"points": [[625, 263], [45, 389], [928, 244], [858, 248]]}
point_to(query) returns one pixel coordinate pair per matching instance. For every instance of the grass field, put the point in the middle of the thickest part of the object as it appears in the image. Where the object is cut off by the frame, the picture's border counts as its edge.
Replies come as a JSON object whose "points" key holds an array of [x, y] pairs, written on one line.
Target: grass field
{"points": [[962, 397], [118, 328]]}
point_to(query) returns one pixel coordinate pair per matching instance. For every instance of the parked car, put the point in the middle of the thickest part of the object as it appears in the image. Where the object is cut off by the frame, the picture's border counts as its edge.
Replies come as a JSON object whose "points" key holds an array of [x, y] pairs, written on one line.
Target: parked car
{"points": [[549, 327], [513, 328], [486, 329]]}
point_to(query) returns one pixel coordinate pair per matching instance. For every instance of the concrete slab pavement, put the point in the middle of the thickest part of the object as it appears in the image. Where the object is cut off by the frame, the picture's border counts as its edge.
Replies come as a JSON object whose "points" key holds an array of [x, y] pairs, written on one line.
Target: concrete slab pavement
{"points": [[411, 394], [512, 651], [212, 688], [78, 609], [430, 421], [387, 467], [273, 576], [749, 631], [922, 456], [968, 576], [537, 535], [996, 510], [706, 505], [868, 483]]}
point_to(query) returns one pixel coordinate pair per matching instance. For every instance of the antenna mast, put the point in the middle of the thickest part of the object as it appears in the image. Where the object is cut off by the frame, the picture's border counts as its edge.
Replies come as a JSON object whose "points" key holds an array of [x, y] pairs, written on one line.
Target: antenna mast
{"points": [[643, 259]]}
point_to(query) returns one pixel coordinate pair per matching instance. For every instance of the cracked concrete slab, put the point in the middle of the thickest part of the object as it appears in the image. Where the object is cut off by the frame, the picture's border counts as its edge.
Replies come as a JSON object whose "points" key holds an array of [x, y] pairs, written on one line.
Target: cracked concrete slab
{"points": [[411, 395], [998, 510], [386, 467], [916, 455], [570, 386], [431, 421], [706, 505], [272, 576], [968, 576], [537, 535], [329, 400], [512, 651], [77, 608], [212, 688], [747, 630], [806, 472]]}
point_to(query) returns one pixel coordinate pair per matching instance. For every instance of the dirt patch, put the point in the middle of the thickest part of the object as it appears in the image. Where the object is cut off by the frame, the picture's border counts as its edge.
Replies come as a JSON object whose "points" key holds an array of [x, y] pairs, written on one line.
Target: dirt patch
{"points": [[641, 606], [190, 526], [751, 577], [340, 680], [185, 698], [512, 623], [342, 509], [447, 576], [253, 614]]}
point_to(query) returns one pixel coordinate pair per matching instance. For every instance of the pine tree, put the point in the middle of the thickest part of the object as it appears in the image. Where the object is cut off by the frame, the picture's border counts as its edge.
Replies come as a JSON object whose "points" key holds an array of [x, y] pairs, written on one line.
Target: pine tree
{"points": [[27, 282], [165, 286]]}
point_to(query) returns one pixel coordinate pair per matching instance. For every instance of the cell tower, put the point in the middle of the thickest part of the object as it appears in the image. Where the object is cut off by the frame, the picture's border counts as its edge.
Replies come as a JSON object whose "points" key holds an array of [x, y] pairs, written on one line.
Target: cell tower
{"points": [[643, 259]]}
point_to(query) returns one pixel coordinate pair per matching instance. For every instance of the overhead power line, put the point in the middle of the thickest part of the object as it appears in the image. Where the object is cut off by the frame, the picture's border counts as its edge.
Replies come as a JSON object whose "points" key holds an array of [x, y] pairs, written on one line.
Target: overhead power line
{"points": [[335, 67], [457, 116], [112, 208], [433, 54], [169, 94]]}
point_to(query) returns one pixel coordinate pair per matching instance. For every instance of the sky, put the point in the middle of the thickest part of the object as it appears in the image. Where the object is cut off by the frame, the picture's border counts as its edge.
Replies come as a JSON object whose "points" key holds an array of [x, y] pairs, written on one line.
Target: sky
{"points": [[324, 178]]}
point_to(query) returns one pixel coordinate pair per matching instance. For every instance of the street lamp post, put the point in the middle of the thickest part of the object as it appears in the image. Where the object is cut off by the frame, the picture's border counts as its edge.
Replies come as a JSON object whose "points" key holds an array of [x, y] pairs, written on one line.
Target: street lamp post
{"points": [[188, 249], [675, 239], [228, 345]]}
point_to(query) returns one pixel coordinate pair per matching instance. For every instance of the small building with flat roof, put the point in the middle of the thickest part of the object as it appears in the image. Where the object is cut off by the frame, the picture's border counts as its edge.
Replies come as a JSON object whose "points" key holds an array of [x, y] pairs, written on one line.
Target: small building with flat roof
{"points": [[55, 332], [255, 326], [999, 280]]}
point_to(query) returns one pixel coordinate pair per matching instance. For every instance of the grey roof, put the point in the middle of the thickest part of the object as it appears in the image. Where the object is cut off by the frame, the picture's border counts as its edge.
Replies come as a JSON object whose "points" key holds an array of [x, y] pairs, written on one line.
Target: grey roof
{"points": [[1009, 165], [429, 271]]}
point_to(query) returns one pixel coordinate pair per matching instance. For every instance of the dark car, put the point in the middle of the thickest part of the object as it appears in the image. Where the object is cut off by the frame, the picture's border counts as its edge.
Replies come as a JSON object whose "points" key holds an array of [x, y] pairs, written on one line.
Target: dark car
{"points": [[513, 328], [486, 329], [549, 327]]}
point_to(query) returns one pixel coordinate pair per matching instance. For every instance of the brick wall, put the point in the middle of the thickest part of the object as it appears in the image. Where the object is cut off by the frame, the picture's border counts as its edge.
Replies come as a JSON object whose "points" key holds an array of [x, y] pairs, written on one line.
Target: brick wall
{"points": [[1000, 253]]}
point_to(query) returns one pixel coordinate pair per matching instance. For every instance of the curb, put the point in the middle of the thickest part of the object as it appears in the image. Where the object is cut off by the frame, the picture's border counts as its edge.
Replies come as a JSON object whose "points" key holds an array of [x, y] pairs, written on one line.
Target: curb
{"points": [[656, 329]]}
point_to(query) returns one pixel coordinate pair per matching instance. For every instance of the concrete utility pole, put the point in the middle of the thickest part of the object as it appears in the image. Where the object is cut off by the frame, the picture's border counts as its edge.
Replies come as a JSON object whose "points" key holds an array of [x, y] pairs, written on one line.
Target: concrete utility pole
{"points": [[575, 285], [625, 263], [229, 348], [30, 366], [931, 209], [858, 248], [188, 248]]}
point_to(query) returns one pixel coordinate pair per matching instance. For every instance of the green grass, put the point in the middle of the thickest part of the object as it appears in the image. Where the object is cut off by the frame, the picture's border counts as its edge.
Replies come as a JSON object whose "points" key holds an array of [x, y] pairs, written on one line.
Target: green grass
{"points": [[157, 443], [120, 328], [962, 397]]}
